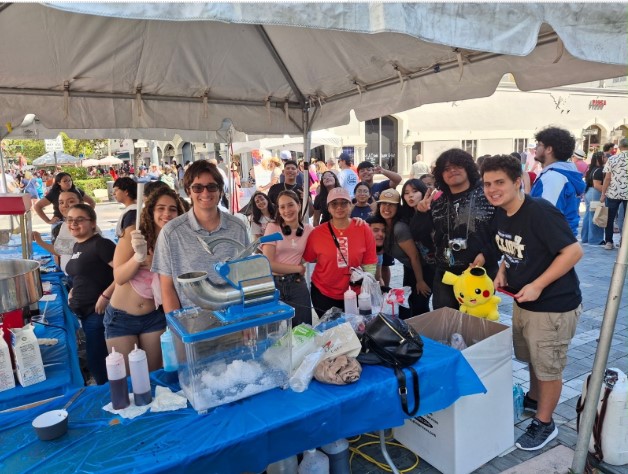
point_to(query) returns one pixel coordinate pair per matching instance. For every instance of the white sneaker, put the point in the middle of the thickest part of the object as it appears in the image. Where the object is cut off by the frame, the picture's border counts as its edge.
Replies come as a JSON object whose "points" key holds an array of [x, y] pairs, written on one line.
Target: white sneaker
{"points": [[608, 246]]}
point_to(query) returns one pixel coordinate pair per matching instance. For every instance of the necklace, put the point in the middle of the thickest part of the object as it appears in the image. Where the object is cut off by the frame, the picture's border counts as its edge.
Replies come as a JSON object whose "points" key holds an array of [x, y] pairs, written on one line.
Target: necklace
{"points": [[341, 231], [292, 186]]}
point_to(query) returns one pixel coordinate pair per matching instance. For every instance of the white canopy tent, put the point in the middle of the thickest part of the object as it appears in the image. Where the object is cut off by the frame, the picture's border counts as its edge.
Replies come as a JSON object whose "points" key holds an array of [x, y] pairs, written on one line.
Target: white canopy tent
{"points": [[318, 138], [89, 162], [189, 66], [110, 161], [292, 68]]}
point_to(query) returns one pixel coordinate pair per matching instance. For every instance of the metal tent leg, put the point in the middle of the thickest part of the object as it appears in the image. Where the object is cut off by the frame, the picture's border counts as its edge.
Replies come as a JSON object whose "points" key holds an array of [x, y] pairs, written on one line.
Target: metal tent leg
{"points": [[382, 446]]}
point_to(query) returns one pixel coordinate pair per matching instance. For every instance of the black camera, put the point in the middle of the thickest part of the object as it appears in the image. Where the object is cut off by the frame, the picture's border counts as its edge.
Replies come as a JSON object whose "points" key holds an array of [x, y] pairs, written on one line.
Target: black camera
{"points": [[458, 244]]}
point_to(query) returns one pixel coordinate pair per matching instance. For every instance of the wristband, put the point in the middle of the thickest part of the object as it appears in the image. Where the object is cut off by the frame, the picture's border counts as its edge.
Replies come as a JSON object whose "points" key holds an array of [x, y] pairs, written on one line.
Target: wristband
{"points": [[105, 297]]}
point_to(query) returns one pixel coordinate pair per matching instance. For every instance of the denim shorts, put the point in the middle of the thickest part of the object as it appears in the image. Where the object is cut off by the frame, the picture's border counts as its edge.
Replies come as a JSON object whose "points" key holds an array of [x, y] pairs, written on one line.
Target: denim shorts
{"points": [[119, 323]]}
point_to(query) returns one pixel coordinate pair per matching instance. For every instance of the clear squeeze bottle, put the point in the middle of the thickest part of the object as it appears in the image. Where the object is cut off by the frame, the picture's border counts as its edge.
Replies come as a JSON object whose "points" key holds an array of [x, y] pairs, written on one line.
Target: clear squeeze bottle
{"points": [[364, 303], [351, 302], [140, 379], [116, 373]]}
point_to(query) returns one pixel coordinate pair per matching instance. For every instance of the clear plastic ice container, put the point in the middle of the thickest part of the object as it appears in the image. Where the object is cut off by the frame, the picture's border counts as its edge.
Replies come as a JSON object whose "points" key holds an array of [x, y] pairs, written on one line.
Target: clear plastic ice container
{"points": [[223, 362]]}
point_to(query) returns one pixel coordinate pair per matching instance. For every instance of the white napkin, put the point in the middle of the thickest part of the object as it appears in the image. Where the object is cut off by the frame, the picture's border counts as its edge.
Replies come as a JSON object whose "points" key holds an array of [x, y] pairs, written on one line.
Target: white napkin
{"points": [[166, 400], [130, 412]]}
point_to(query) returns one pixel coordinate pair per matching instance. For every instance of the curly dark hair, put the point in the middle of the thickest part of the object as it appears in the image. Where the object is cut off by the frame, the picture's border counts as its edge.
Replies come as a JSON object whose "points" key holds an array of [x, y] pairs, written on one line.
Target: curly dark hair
{"points": [[562, 142], [147, 221], [506, 163], [257, 213], [456, 157], [596, 162], [295, 197]]}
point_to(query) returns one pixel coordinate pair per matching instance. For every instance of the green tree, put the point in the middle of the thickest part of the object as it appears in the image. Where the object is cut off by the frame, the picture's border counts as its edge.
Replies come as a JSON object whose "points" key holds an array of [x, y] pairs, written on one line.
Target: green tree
{"points": [[76, 147], [31, 149]]}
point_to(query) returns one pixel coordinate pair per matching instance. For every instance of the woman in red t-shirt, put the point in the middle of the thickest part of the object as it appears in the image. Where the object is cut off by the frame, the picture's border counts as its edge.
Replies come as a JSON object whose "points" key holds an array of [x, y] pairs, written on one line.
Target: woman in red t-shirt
{"points": [[336, 247]]}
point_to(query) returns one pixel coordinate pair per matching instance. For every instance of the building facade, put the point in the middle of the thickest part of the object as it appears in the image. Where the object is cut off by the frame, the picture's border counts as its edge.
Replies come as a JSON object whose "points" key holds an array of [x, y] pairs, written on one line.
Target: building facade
{"points": [[595, 113]]}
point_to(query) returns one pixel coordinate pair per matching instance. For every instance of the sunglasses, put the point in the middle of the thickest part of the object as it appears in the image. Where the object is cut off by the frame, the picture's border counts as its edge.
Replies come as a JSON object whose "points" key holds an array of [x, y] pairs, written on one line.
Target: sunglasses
{"points": [[211, 188]]}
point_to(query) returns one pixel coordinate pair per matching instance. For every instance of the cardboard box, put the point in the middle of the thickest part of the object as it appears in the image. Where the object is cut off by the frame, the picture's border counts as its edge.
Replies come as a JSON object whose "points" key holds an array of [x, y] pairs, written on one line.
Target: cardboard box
{"points": [[477, 428]]}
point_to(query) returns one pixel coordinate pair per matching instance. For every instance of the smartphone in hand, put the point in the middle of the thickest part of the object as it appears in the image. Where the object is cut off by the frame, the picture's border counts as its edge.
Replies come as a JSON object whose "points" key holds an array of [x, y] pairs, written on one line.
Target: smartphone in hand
{"points": [[508, 290]]}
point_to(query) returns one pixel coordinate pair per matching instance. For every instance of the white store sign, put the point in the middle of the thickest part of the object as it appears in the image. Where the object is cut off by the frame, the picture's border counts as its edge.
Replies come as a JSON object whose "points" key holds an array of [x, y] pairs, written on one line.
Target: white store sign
{"points": [[54, 145]]}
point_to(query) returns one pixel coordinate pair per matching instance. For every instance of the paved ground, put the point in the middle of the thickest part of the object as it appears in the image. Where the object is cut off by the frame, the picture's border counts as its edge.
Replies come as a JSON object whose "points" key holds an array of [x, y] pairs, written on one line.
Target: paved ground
{"points": [[594, 271]]}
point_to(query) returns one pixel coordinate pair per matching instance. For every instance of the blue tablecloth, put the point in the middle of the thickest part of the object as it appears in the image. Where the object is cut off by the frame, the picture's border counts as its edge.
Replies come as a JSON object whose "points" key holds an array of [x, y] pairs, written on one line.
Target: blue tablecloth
{"points": [[243, 436], [61, 363]]}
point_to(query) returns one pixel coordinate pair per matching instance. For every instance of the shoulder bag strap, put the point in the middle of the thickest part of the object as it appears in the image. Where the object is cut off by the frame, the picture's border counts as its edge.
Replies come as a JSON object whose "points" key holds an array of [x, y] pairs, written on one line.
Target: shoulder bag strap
{"points": [[403, 390], [333, 236]]}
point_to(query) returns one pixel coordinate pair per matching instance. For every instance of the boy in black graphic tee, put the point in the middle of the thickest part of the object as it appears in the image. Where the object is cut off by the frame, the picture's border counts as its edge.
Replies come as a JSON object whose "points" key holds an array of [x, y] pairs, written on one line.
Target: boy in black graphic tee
{"points": [[540, 253]]}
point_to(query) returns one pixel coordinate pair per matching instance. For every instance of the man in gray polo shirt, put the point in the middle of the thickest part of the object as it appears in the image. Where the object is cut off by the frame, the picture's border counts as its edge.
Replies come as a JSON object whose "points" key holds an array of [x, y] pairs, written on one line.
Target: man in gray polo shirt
{"points": [[178, 250]]}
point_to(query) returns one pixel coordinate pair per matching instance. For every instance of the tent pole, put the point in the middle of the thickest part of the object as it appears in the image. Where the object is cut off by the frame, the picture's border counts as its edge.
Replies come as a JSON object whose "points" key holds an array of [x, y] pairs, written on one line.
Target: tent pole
{"points": [[307, 139], [4, 182], [601, 356], [4, 178], [231, 183]]}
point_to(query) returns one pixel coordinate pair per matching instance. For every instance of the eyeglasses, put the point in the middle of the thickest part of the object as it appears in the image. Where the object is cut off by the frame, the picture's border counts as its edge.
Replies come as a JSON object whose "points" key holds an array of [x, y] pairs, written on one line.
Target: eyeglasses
{"points": [[77, 220], [339, 203], [363, 191], [211, 188]]}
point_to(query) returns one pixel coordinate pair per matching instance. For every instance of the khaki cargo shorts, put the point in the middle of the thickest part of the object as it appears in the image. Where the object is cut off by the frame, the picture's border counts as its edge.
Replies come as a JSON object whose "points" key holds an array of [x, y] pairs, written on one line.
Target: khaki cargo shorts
{"points": [[542, 339]]}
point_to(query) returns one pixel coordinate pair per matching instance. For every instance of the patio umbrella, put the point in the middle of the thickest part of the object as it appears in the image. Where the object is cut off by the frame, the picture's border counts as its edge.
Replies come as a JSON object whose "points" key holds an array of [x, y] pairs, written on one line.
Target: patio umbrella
{"points": [[110, 161], [55, 158], [89, 162]]}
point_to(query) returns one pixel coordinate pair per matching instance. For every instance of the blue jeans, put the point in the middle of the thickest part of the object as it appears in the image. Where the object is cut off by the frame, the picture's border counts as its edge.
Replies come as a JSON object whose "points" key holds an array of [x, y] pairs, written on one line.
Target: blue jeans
{"points": [[443, 295], [613, 207], [293, 291], [591, 233], [96, 347]]}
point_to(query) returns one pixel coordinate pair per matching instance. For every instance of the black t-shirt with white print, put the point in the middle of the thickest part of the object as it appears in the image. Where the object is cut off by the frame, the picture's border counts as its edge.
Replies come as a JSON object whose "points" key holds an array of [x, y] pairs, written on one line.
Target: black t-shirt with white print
{"points": [[530, 241]]}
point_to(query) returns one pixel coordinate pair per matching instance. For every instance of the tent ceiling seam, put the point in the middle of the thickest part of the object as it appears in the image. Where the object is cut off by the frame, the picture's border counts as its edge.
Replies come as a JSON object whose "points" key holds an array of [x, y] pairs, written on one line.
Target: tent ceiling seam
{"points": [[469, 57], [279, 104]]}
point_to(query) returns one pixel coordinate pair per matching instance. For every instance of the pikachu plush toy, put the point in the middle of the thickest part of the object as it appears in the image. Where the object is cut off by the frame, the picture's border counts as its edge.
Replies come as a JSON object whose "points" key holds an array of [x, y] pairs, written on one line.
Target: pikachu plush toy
{"points": [[475, 293]]}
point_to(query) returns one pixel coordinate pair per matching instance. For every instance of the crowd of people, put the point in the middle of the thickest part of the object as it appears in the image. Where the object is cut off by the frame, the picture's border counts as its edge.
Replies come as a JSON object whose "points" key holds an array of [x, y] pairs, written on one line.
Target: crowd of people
{"points": [[457, 213]]}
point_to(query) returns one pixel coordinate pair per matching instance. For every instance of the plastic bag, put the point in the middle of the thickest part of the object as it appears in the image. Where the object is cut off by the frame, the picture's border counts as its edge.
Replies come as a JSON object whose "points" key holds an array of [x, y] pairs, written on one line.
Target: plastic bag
{"points": [[339, 340], [334, 317], [393, 299], [369, 284], [302, 377]]}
